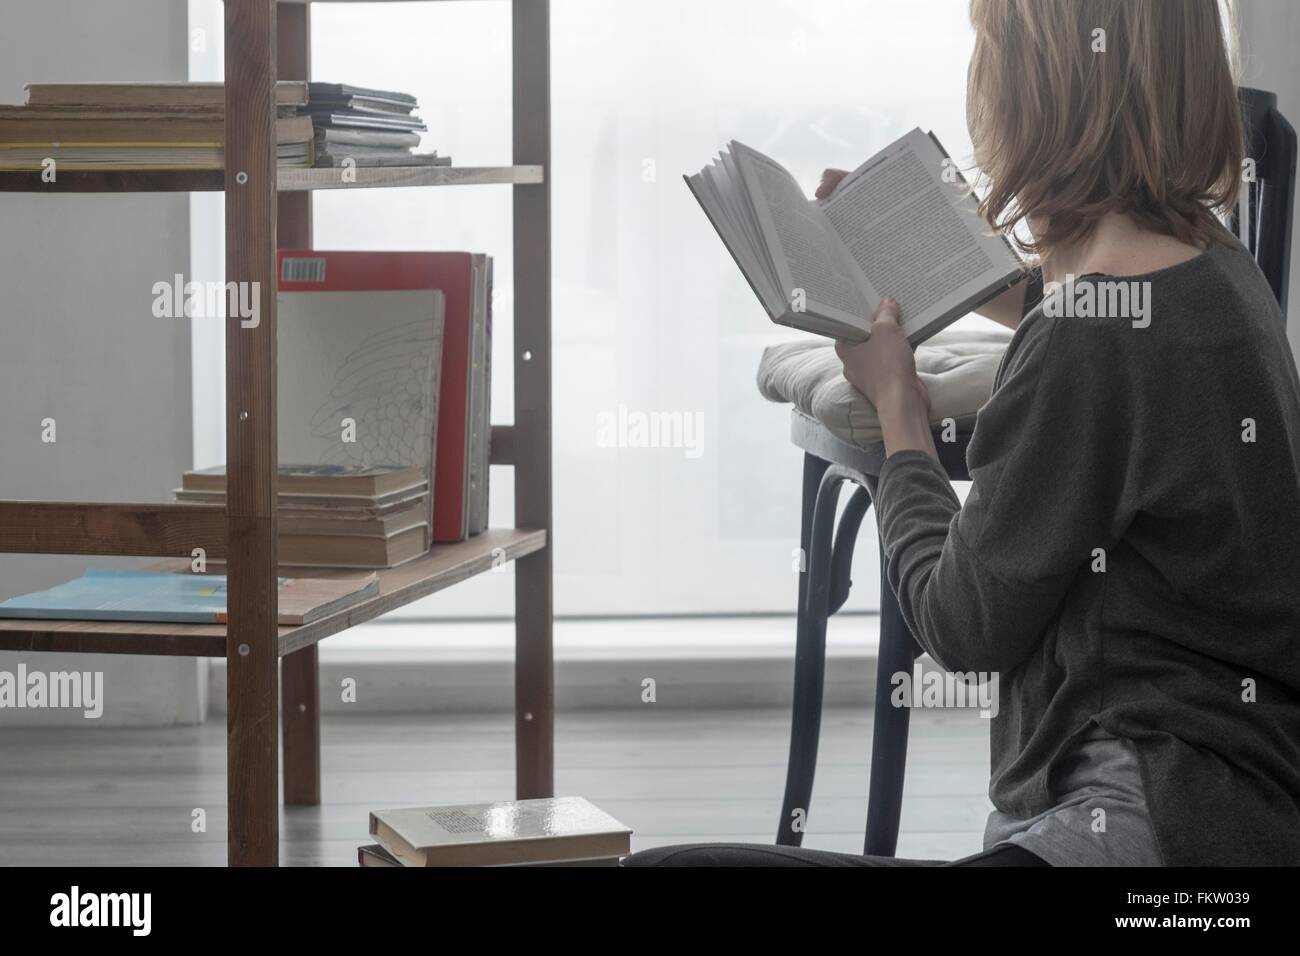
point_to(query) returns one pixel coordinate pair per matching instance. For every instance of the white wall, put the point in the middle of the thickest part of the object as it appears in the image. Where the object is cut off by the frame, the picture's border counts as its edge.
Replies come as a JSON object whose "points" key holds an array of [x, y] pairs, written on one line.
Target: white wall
{"points": [[1270, 46], [78, 342]]}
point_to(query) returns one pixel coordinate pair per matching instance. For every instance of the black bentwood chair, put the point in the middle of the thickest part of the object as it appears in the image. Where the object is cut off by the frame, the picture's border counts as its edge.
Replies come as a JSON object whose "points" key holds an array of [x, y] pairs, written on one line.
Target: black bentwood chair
{"points": [[1263, 222]]}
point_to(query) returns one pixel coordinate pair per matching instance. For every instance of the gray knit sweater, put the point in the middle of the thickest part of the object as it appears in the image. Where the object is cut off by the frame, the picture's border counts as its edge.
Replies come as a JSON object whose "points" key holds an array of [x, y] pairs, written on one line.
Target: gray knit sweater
{"points": [[1129, 557]]}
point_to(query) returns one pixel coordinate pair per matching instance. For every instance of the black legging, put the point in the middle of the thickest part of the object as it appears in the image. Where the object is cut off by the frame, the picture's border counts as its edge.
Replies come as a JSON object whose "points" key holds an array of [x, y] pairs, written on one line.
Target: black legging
{"points": [[757, 854]]}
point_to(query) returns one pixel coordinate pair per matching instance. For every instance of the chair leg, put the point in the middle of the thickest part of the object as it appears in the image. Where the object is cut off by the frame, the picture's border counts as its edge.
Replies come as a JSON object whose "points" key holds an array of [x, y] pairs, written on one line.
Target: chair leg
{"points": [[898, 652], [845, 537], [820, 498]]}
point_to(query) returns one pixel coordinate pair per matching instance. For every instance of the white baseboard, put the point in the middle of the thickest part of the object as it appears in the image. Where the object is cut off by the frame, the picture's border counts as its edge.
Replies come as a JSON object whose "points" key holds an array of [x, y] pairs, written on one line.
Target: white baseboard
{"points": [[424, 667], [428, 686]]}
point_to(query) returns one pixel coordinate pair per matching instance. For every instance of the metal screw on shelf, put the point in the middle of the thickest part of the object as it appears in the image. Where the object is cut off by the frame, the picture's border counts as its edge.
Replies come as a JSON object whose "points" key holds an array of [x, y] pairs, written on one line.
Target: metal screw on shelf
{"points": [[528, 715], [241, 178], [243, 416], [528, 356], [243, 650]]}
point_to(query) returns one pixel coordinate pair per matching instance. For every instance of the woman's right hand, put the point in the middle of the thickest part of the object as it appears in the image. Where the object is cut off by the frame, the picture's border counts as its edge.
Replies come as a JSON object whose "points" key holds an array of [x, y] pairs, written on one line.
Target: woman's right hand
{"points": [[830, 179]]}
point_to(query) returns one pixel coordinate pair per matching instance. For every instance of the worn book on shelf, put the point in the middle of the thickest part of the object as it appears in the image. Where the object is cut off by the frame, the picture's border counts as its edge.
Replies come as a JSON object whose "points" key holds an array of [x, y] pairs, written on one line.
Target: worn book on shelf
{"points": [[110, 140], [362, 282], [331, 138], [317, 550], [364, 127], [342, 521], [363, 480], [21, 126], [361, 343], [378, 506], [325, 92], [480, 437], [336, 157], [903, 224], [460, 481], [150, 95], [380, 121], [107, 157], [107, 594], [512, 832]]}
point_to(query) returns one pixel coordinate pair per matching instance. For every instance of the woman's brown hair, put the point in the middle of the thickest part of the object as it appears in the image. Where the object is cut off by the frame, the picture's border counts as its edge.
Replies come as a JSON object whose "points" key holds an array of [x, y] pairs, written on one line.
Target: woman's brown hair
{"points": [[1079, 108]]}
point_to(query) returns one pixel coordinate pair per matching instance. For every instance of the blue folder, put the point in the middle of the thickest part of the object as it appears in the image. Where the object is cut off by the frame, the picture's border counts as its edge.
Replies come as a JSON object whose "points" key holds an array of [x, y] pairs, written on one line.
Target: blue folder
{"points": [[106, 594]]}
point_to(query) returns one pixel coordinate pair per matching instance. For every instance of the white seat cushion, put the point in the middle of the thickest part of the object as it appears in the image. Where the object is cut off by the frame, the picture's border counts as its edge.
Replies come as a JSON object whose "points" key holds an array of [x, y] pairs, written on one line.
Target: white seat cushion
{"points": [[957, 367]]}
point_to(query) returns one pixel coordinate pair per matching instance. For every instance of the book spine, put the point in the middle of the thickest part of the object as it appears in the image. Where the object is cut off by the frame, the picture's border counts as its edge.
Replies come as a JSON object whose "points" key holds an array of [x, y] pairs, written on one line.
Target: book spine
{"points": [[478, 430]]}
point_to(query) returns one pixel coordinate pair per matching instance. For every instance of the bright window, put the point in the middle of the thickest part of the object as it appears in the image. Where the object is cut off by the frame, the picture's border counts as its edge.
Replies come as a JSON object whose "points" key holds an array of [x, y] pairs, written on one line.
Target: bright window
{"points": [[650, 315]]}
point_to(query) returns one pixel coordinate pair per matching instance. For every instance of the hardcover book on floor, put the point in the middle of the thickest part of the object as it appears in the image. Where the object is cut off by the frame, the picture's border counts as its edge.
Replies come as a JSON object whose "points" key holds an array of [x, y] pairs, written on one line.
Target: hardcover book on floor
{"points": [[554, 830]]}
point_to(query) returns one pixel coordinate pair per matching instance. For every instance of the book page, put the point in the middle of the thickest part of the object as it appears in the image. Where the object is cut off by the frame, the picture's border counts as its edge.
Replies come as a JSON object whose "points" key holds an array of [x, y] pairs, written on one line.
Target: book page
{"points": [[805, 252], [916, 237]]}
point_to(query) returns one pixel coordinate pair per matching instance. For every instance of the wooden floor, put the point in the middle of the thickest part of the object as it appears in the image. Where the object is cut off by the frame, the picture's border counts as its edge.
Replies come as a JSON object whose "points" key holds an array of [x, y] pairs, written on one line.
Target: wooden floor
{"points": [[107, 796]]}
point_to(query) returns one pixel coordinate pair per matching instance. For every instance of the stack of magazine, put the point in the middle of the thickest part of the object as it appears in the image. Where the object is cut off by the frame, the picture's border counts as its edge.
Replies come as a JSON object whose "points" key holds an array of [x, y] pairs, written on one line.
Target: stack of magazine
{"points": [[366, 127]]}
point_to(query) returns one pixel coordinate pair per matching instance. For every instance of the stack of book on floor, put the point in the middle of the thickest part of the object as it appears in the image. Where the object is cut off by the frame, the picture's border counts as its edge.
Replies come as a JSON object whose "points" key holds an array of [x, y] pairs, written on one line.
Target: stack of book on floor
{"points": [[367, 127], [333, 516], [138, 126], [557, 831]]}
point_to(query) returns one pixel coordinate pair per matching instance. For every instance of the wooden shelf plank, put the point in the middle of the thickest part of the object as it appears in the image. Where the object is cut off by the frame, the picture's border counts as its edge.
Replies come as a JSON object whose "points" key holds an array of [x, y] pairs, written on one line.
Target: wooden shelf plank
{"points": [[370, 177], [125, 181], [290, 180], [443, 566], [149, 530], [113, 637]]}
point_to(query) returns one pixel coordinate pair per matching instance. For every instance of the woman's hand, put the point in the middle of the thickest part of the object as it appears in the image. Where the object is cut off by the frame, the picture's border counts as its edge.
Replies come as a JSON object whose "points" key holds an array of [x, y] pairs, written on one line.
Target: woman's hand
{"points": [[884, 370], [830, 179]]}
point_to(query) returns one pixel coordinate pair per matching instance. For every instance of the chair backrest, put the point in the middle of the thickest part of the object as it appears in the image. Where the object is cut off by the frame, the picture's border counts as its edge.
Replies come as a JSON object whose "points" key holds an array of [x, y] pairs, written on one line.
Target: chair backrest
{"points": [[1263, 217]]}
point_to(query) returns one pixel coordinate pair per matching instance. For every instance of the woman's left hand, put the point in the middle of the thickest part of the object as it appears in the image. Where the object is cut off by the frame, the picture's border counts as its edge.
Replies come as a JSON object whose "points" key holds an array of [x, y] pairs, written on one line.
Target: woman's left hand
{"points": [[883, 367]]}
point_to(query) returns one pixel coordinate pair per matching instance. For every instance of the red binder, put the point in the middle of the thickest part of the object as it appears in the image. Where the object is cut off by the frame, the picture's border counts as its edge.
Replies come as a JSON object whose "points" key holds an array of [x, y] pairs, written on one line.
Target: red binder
{"points": [[453, 273]]}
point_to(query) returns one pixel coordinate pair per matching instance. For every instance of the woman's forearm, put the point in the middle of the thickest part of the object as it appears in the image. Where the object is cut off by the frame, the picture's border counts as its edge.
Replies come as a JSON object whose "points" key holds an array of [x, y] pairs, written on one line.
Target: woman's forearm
{"points": [[905, 422]]}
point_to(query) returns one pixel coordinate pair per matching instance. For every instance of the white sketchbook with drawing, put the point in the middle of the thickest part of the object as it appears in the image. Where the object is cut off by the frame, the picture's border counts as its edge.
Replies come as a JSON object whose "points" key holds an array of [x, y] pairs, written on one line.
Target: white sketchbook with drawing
{"points": [[359, 372], [903, 224]]}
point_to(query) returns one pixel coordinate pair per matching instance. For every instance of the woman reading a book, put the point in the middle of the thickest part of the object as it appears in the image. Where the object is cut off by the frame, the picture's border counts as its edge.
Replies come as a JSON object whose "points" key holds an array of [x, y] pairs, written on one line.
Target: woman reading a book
{"points": [[1128, 559]]}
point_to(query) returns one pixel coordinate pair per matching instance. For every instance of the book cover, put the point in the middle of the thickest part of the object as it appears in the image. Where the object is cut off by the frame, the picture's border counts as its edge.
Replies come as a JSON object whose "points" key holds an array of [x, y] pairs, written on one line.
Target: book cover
{"points": [[346, 479], [362, 342], [161, 96], [511, 832], [364, 273], [110, 594]]}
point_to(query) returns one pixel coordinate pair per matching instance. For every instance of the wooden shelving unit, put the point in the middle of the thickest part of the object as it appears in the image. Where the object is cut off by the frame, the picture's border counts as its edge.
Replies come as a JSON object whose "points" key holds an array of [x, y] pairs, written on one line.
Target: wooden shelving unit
{"points": [[272, 672], [288, 180]]}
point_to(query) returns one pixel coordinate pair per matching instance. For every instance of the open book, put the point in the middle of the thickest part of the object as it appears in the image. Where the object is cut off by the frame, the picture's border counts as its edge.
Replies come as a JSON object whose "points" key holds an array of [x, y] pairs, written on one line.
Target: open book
{"points": [[903, 224]]}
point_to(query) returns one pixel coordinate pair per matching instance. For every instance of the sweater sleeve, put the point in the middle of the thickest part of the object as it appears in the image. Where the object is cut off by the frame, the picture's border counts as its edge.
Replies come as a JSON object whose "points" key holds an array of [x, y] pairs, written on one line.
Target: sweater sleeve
{"points": [[978, 584]]}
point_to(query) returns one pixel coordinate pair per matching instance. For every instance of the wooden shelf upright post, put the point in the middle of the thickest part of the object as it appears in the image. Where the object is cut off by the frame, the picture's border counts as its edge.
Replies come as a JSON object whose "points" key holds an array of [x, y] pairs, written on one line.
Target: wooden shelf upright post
{"points": [[252, 653], [534, 672], [300, 670]]}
